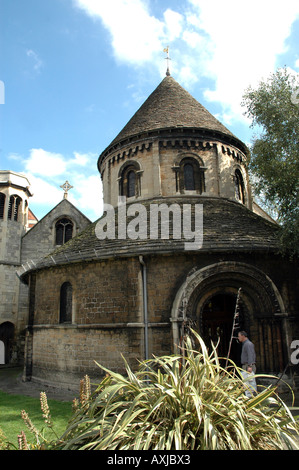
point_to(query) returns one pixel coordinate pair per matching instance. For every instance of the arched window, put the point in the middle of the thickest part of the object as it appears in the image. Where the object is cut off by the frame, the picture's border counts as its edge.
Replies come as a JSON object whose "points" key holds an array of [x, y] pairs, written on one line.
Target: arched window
{"points": [[189, 182], [63, 231], [10, 207], [66, 303], [239, 187], [131, 183], [190, 176], [129, 180], [2, 205], [14, 207], [17, 206]]}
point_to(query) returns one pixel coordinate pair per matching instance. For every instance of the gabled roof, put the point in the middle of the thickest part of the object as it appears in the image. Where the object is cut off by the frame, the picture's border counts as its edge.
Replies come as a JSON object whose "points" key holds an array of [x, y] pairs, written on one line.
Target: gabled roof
{"points": [[61, 208], [170, 106]]}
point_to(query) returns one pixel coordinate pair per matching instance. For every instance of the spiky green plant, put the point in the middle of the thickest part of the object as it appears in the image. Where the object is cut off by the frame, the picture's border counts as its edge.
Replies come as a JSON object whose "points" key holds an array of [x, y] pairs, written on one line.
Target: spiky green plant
{"points": [[182, 402]]}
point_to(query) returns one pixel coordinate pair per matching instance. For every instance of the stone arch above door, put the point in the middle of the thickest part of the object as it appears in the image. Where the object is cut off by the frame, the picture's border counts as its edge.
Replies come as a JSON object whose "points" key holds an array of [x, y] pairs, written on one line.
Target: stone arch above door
{"points": [[260, 297]]}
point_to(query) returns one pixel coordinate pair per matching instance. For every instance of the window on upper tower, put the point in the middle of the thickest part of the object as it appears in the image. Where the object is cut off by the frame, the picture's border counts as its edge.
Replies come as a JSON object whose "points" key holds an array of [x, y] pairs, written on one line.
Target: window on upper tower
{"points": [[63, 231], [131, 183], [189, 181], [239, 186], [129, 180], [14, 207], [2, 205], [190, 176], [17, 208], [66, 303]]}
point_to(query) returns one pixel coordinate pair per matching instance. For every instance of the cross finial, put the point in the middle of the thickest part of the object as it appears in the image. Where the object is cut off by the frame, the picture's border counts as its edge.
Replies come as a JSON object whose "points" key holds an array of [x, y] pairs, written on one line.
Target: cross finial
{"points": [[168, 59], [66, 187]]}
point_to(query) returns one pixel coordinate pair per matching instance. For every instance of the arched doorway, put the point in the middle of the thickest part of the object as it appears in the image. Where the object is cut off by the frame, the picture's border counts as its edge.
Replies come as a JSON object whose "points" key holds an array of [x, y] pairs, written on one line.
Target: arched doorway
{"points": [[216, 323], [207, 296], [7, 331]]}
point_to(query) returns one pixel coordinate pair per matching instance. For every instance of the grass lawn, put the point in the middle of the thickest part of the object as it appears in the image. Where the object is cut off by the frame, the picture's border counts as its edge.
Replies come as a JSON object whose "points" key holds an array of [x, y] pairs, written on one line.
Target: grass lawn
{"points": [[12, 424]]}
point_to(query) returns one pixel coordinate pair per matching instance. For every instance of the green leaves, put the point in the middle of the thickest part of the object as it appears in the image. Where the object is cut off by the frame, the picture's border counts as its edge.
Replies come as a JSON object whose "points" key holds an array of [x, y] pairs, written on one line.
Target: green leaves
{"points": [[275, 151], [183, 402]]}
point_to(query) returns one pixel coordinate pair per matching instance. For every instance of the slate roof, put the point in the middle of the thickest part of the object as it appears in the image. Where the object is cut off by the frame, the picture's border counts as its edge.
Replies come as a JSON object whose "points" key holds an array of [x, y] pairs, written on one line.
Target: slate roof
{"points": [[170, 106], [228, 226]]}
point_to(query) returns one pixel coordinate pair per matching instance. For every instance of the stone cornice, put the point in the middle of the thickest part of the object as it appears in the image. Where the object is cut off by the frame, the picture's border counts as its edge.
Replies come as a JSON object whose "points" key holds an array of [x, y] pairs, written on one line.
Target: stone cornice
{"points": [[180, 136]]}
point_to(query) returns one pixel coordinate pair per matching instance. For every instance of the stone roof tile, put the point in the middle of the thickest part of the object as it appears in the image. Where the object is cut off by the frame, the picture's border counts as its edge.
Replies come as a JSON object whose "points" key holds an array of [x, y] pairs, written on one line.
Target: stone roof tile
{"points": [[228, 226], [170, 106]]}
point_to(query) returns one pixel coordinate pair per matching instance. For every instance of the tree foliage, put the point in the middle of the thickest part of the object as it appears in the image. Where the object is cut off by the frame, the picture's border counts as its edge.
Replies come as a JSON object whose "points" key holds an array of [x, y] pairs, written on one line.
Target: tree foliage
{"points": [[273, 108]]}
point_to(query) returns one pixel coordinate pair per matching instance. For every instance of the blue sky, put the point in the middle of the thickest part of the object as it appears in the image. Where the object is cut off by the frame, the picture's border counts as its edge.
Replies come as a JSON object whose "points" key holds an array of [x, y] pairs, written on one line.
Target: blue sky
{"points": [[75, 71]]}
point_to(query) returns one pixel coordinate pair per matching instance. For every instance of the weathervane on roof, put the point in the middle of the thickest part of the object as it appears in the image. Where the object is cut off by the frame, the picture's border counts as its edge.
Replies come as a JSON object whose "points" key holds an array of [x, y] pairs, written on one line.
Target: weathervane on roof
{"points": [[66, 187], [168, 59]]}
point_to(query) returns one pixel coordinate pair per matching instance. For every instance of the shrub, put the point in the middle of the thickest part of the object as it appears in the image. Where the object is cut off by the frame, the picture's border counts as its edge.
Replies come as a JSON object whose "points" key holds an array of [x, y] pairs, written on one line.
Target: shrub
{"points": [[179, 402]]}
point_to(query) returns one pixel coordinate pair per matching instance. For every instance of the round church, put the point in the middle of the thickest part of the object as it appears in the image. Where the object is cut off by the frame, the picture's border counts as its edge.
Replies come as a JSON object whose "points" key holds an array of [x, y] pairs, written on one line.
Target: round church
{"points": [[179, 238]]}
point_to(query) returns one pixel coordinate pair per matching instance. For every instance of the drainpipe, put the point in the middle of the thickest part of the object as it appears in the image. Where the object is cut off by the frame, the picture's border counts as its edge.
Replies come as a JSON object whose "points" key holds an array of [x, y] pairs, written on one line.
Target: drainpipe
{"points": [[145, 313]]}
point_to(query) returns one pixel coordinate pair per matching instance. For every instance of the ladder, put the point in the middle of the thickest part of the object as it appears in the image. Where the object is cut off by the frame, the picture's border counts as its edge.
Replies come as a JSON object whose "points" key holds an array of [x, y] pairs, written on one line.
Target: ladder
{"points": [[236, 324]]}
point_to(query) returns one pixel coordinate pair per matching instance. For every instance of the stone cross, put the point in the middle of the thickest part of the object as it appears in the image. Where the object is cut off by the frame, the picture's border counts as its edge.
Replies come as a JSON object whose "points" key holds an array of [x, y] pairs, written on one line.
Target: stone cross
{"points": [[66, 187]]}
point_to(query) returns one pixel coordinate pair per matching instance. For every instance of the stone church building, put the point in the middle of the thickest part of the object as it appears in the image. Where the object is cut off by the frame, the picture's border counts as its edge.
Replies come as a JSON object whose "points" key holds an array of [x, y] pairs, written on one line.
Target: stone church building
{"points": [[23, 241], [180, 235]]}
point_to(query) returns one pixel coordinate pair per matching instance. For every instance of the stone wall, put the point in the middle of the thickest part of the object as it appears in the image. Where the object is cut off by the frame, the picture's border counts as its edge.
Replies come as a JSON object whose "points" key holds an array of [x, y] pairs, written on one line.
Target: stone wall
{"points": [[157, 159], [39, 242], [108, 311], [106, 320], [12, 228], [10, 242], [64, 354], [103, 293]]}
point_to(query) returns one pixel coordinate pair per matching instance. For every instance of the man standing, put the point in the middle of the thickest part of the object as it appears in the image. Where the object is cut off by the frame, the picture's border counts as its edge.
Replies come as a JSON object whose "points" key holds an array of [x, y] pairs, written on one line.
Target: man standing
{"points": [[248, 352], [248, 364]]}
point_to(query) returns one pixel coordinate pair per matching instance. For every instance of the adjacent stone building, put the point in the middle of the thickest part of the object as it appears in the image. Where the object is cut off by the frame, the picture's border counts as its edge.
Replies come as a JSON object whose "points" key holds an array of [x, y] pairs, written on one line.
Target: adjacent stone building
{"points": [[23, 241], [14, 196], [179, 237]]}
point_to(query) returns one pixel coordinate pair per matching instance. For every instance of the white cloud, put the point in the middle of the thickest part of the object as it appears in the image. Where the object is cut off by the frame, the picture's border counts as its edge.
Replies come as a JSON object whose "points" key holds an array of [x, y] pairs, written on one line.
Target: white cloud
{"points": [[193, 39], [42, 162], [247, 37], [37, 62], [44, 193], [46, 171], [51, 164], [81, 159], [135, 34], [235, 44], [173, 24], [87, 194], [15, 156]]}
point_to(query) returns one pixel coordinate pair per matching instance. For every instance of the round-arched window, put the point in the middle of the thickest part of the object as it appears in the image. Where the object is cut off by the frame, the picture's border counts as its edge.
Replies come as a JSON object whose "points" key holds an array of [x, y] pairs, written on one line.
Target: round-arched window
{"points": [[190, 176], [131, 183], [189, 182], [129, 180], [239, 187], [63, 231], [14, 207], [66, 301]]}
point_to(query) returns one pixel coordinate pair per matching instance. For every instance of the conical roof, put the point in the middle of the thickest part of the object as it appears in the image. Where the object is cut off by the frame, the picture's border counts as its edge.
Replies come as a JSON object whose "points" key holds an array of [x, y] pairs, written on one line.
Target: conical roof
{"points": [[170, 106]]}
